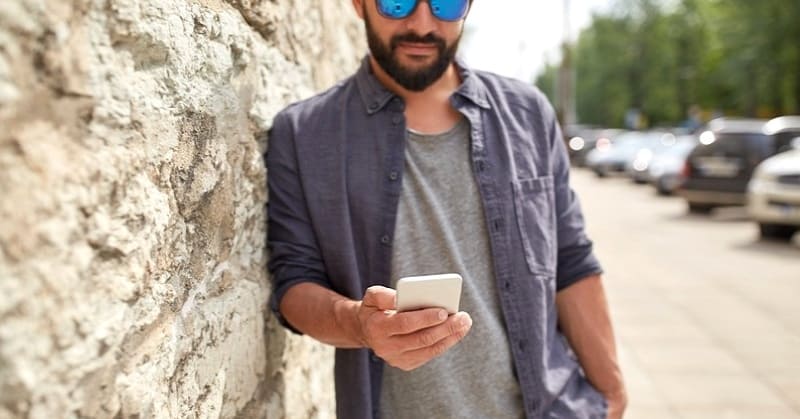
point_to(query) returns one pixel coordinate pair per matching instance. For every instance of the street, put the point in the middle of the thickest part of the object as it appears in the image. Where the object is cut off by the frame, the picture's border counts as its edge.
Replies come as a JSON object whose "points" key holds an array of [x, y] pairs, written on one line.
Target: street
{"points": [[707, 316]]}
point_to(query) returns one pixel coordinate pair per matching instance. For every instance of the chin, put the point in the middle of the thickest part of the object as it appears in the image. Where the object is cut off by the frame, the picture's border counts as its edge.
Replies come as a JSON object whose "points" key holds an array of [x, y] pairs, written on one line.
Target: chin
{"points": [[416, 62]]}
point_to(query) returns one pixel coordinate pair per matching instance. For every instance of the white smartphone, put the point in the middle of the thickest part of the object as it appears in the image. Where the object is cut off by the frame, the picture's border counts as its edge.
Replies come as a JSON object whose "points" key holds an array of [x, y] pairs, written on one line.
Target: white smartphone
{"points": [[426, 291]]}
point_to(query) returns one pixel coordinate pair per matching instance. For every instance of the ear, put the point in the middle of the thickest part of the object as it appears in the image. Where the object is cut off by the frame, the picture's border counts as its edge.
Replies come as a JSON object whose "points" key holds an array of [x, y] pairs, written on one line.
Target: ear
{"points": [[359, 6]]}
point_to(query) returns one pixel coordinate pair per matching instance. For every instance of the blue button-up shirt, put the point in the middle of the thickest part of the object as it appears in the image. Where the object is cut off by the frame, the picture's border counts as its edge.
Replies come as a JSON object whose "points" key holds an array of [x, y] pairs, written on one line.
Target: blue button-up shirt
{"points": [[335, 166]]}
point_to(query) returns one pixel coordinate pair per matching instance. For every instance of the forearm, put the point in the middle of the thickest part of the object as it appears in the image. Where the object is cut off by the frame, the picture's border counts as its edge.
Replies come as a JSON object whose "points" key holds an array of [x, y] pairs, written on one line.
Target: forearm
{"points": [[322, 314], [404, 340], [585, 321]]}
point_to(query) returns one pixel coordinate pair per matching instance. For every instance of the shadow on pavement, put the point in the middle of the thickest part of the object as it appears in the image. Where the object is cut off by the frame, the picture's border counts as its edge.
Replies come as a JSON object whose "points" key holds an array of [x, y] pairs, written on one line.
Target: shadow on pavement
{"points": [[718, 215], [771, 247]]}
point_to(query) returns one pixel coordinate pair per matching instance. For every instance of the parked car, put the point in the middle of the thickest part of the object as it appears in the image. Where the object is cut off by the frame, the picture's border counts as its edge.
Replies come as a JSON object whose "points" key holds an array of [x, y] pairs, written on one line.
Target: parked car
{"points": [[655, 145], [773, 195], [717, 171], [579, 146], [665, 171], [614, 156], [571, 131]]}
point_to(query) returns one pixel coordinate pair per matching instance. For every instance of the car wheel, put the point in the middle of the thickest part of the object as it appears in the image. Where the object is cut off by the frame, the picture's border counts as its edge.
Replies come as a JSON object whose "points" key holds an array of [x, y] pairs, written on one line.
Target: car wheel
{"points": [[662, 188], [777, 231], [700, 208], [600, 173]]}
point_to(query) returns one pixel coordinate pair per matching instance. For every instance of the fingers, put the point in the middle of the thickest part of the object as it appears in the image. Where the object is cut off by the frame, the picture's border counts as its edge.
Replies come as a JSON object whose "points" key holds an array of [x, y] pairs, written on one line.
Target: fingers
{"points": [[412, 321], [379, 297], [380, 327], [410, 339], [416, 358], [457, 324]]}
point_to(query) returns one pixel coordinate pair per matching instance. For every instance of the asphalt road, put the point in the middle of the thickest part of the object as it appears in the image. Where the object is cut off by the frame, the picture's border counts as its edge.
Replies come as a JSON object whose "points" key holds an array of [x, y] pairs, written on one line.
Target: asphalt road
{"points": [[707, 316]]}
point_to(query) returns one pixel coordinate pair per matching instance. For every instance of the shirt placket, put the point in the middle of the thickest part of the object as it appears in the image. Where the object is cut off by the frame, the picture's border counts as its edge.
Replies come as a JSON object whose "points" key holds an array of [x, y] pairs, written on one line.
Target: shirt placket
{"points": [[486, 174], [392, 116]]}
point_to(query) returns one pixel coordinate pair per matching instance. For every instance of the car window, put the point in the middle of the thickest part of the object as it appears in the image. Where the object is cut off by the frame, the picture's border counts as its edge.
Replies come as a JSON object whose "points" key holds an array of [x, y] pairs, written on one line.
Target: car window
{"points": [[751, 148], [760, 146], [726, 145], [783, 140]]}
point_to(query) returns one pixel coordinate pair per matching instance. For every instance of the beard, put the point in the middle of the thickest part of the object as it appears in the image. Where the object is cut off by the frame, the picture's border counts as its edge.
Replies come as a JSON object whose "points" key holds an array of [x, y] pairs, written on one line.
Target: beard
{"points": [[413, 79]]}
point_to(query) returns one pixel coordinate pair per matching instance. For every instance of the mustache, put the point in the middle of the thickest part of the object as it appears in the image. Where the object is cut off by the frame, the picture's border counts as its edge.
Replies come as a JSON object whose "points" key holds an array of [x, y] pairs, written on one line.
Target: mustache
{"points": [[417, 39]]}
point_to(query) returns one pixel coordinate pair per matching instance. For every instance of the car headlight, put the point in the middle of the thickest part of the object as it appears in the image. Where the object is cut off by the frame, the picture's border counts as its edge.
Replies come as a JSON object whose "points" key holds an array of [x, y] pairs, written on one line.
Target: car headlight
{"points": [[707, 137], [577, 143]]}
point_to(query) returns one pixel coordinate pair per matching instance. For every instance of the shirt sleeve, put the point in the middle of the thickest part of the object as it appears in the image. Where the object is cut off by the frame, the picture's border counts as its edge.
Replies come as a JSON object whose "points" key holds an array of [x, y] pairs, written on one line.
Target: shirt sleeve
{"points": [[294, 255], [576, 259]]}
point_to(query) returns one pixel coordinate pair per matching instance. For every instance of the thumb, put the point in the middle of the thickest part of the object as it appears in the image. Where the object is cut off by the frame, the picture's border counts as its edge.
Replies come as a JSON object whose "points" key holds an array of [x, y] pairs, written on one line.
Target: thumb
{"points": [[379, 297]]}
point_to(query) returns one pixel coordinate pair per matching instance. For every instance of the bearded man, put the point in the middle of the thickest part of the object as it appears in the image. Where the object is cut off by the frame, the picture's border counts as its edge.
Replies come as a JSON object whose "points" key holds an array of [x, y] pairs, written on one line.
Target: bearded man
{"points": [[416, 165]]}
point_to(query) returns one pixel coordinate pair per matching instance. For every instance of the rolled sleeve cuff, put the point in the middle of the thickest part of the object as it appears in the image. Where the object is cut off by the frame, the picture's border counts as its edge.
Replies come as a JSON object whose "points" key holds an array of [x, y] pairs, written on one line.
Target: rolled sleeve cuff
{"points": [[576, 264], [283, 282]]}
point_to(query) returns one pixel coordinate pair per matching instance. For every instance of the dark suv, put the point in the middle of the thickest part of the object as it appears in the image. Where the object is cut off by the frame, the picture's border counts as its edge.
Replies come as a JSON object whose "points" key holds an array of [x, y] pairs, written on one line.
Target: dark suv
{"points": [[716, 173], [783, 130]]}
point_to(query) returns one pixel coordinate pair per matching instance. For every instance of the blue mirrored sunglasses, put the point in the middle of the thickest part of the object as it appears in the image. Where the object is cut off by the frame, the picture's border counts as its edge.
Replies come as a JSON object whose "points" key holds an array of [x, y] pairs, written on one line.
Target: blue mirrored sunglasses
{"points": [[448, 10]]}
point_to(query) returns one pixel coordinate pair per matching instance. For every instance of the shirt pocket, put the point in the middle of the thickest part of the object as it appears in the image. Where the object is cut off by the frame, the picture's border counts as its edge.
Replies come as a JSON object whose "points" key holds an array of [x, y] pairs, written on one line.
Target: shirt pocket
{"points": [[534, 203]]}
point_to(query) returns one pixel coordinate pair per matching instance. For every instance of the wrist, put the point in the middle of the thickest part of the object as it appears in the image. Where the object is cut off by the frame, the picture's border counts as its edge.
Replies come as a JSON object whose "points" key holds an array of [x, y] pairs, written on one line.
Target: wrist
{"points": [[345, 313], [617, 402]]}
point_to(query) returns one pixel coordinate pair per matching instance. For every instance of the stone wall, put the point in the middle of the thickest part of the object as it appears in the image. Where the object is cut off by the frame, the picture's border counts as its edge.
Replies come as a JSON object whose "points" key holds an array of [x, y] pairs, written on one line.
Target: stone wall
{"points": [[132, 192]]}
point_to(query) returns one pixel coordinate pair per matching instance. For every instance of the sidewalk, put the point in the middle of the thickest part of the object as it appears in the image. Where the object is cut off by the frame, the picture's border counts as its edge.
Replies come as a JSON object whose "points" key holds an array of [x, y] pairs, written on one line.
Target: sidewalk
{"points": [[707, 317]]}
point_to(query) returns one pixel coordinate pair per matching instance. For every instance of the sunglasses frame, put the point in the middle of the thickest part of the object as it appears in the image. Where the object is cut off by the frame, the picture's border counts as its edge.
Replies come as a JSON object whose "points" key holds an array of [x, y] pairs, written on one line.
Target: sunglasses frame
{"points": [[414, 9]]}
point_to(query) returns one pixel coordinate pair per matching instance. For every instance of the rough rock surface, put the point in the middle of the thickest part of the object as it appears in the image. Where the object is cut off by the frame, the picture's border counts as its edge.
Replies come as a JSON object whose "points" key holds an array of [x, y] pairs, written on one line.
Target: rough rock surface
{"points": [[132, 192]]}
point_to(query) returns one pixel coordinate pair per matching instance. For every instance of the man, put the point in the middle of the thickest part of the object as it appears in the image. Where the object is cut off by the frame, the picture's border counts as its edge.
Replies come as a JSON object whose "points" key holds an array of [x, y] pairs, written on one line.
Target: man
{"points": [[418, 165]]}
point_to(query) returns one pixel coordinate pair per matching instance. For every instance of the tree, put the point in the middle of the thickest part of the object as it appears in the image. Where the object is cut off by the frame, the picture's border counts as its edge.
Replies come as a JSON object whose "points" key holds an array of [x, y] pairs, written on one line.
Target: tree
{"points": [[737, 56]]}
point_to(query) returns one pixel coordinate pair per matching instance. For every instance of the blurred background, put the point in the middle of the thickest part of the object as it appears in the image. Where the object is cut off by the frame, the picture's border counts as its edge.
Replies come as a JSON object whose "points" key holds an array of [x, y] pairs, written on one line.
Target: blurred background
{"points": [[655, 57], [133, 276], [680, 118]]}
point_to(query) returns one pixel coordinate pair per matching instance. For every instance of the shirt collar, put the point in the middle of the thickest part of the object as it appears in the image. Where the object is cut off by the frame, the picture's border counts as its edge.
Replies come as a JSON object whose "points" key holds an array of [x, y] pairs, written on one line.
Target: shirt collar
{"points": [[472, 87], [375, 96]]}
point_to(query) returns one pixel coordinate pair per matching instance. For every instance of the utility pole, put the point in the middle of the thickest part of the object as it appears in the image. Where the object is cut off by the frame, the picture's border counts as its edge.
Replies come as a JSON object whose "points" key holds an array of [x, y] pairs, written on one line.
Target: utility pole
{"points": [[566, 96]]}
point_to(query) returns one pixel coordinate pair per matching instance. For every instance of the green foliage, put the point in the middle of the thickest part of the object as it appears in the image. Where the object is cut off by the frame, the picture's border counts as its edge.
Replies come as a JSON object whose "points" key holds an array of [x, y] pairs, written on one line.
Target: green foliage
{"points": [[546, 81], [740, 57]]}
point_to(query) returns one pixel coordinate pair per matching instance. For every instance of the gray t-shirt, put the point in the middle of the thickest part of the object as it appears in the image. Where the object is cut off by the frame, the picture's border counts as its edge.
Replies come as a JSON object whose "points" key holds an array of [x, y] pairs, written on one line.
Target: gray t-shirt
{"points": [[440, 229]]}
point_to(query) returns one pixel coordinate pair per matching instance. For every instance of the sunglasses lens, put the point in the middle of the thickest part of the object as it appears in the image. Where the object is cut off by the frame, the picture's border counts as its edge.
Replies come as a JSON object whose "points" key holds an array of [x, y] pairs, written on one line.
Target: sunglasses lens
{"points": [[449, 9], [396, 9]]}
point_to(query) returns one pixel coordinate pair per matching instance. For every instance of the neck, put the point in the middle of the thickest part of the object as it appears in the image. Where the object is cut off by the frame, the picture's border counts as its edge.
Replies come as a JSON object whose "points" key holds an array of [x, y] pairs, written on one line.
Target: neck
{"points": [[428, 111]]}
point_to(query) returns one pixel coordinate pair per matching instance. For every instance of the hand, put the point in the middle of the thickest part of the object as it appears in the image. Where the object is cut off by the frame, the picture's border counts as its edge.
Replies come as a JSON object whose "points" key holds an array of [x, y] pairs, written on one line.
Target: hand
{"points": [[616, 405], [409, 339]]}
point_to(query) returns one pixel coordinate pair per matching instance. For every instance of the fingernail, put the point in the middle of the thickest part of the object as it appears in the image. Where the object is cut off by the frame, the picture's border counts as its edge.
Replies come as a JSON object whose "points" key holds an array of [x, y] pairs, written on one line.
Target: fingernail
{"points": [[465, 321], [442, 314]]}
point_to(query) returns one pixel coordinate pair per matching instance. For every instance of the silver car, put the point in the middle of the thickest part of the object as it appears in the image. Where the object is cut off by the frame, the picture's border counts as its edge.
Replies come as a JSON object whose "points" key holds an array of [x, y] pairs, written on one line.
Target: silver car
{"points": [[773, 195], [665, 171], [614, 156]]}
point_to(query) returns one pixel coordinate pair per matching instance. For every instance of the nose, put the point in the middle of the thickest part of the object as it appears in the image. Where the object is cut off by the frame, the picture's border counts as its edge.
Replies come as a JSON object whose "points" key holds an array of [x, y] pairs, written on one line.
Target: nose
{"points": [[422, 20]]}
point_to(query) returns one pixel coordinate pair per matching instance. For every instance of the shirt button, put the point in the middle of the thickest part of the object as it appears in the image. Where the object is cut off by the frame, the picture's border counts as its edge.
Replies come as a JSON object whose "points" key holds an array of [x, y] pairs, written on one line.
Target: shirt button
{"points": [[385, 239], [373, 106], [374, 358], [397, 119], [508, 285], [497, 224], [393, 175]]}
